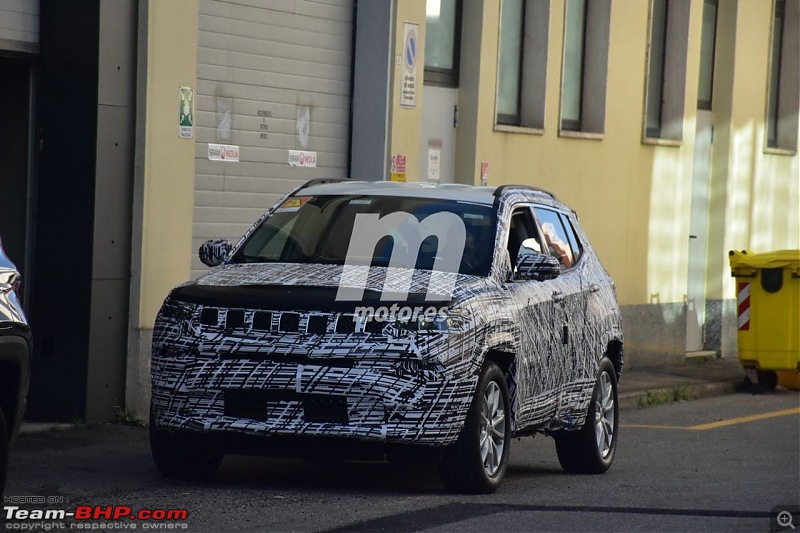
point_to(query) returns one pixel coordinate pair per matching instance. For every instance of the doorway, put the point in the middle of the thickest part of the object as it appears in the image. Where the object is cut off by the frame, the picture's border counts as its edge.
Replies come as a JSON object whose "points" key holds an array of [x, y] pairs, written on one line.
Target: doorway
{"points": [[438, 146], [15, 162]]}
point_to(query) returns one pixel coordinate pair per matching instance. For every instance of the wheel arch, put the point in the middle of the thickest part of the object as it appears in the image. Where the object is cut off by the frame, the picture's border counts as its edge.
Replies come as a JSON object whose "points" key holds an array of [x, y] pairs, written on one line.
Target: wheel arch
{"points": [[614, 352], [507, 361]]}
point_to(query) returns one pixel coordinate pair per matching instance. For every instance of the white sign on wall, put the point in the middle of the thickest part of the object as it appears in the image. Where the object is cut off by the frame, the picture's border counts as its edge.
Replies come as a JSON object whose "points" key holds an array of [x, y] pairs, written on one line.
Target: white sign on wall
{"points": [[223, 152], [302, 158], [408, 92]]}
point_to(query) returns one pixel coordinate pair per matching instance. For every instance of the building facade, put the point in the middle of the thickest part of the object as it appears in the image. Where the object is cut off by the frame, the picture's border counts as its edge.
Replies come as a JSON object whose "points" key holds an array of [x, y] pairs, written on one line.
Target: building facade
{"points": [[671, 126]]}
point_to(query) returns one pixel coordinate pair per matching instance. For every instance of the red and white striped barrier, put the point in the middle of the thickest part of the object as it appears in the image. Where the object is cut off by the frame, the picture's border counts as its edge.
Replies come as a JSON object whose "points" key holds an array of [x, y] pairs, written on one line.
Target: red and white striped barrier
{"points": [[743, 301]]}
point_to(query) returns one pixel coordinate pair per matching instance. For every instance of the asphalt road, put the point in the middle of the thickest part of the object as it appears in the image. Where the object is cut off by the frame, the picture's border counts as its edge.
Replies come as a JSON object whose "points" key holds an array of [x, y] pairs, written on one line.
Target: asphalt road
{"points": [[726, 473]]}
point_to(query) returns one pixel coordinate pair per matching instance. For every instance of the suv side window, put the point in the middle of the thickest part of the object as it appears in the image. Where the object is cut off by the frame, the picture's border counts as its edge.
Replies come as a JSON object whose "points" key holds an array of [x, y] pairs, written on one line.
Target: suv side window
{"points": [[521, 227], [577, 251], [558, 243]]}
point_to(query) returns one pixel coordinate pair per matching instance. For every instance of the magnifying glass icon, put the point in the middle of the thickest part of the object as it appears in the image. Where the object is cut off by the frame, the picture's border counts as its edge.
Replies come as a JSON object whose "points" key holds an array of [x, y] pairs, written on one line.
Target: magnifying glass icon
{"points": [[785, 519]]}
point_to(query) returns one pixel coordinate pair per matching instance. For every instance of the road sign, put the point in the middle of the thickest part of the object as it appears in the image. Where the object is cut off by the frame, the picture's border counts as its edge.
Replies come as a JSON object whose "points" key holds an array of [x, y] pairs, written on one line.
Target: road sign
{"points": [[408, 93]]}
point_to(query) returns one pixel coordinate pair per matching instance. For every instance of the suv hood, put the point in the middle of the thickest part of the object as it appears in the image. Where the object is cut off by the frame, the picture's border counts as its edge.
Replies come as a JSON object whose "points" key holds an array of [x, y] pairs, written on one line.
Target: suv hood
{"points": [[284, 286]]}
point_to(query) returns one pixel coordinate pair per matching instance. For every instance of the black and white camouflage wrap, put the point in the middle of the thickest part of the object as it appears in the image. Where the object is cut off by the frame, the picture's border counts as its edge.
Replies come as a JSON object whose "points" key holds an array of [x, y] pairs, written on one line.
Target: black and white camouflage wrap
{"points": [[398, 383], [213, 253]]}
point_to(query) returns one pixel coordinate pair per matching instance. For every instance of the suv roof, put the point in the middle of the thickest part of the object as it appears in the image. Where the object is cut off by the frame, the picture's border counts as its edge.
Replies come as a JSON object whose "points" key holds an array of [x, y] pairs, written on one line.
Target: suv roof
{"points": [[445, 191]]}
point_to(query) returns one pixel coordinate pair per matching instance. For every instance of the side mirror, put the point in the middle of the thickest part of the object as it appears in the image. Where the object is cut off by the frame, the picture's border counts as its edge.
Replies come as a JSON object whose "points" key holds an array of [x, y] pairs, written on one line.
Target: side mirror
{"points": [[533, 266], [214, 253]]}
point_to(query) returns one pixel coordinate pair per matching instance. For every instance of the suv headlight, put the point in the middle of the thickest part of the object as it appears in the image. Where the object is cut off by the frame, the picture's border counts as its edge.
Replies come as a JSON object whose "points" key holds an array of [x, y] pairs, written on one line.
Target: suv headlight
{"points": [[10, 280]]}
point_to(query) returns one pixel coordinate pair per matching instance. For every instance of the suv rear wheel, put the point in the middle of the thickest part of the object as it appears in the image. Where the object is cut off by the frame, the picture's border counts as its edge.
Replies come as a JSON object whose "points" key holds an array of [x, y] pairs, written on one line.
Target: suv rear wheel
{"points": [[177, 456], [590, 450], [477, 461]]}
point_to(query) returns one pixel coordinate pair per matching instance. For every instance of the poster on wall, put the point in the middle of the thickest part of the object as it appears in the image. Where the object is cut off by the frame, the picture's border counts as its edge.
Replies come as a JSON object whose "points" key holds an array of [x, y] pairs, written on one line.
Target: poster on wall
{"points": [[408, 92], [398, 168], [186, 113], [434, 160]]}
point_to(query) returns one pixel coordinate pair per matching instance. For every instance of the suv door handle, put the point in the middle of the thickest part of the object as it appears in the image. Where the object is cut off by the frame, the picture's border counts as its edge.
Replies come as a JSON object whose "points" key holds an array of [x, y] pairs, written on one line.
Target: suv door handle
{"points": [[558, 296], [594, 287]]}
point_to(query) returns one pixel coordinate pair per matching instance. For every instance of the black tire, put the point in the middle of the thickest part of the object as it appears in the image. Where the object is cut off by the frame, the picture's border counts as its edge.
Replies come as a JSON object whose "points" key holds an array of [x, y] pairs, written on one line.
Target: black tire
{"points": [[581, 451], [181, 456], [462, 466], [770, 378], [767, 381], [3, 455]]}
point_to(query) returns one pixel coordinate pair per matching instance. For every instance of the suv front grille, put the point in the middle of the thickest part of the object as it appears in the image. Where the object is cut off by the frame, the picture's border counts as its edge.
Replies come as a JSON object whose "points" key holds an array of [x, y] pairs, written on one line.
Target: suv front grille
{"points": [[255, 404], [317, 325]]}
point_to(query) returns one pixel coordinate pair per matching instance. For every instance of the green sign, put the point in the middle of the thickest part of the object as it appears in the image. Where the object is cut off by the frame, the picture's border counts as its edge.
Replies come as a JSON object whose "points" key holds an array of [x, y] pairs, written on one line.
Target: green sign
{"points": [[186, 113]]}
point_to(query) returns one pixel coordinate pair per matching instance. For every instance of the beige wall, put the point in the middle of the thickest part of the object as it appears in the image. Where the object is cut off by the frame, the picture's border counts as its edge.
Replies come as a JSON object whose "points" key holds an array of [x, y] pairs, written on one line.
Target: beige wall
{"points": [[168, 162], [635, 198], [406, 122], [164, 179], [756, 192]]}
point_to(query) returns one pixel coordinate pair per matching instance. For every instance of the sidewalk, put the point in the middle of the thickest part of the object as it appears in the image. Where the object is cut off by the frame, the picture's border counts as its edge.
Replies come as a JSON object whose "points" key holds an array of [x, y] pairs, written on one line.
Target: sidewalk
{"points": [[640, 387]]}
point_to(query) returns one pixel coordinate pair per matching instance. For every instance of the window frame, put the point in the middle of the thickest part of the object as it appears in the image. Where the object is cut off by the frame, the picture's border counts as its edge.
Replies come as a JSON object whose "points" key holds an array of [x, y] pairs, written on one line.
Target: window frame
{"points": [[444, 77], [562, 217], [507, 119], [786, 140], [531, 72], [595, 59], [648, 132], [572, 125], [707, 105], [773, 121]]}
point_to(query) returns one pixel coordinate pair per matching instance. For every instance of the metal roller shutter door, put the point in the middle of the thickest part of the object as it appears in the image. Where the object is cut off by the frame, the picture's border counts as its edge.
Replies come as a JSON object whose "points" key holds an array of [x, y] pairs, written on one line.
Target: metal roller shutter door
{"points": [[19, 25], [263, 63]]}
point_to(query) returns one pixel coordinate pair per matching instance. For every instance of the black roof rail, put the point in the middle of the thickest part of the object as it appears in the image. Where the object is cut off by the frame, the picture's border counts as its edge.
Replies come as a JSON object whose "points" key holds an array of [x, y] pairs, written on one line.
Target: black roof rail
{"points": [[503, 188], [319, 181]]}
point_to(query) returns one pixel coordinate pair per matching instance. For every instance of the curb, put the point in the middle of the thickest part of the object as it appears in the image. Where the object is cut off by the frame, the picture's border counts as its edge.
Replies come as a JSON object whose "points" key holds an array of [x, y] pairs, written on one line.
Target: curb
{"points": [[677, 393]]}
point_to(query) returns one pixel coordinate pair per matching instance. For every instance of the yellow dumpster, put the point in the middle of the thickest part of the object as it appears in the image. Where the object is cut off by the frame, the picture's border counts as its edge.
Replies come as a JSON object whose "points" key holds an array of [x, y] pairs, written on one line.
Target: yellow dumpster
{"points": [[768, 314]]}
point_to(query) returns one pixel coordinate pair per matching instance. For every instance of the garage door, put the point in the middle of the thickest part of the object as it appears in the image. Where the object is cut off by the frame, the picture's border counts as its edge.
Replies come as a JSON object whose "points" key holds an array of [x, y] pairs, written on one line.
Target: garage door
{"points": [[274, 80], [19, 25]]}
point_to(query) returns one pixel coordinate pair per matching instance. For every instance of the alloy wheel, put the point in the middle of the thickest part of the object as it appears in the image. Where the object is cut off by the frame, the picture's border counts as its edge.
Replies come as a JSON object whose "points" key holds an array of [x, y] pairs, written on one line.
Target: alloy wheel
{"points": [[604, 414], [492, 428]]}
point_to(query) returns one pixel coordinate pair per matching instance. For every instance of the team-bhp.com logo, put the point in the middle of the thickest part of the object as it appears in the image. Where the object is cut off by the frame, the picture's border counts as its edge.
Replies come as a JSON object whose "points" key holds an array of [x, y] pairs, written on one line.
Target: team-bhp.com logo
{"points": [[407, 234], [93, 517]]}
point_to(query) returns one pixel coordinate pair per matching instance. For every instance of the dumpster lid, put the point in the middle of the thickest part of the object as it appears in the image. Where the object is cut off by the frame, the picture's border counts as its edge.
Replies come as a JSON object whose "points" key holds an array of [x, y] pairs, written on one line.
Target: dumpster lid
{"points": [[776, 259]]}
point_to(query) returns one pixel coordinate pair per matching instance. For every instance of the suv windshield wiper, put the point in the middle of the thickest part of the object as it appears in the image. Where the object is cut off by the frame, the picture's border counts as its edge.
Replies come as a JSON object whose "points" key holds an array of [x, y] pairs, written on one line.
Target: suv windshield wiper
{"points": [[252, 259]]}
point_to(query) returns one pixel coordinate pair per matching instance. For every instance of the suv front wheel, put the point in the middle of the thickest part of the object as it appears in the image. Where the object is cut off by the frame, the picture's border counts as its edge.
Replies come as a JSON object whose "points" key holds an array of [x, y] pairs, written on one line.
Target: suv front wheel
{"points": [[590, 449], [177, 456], [477, 461]]}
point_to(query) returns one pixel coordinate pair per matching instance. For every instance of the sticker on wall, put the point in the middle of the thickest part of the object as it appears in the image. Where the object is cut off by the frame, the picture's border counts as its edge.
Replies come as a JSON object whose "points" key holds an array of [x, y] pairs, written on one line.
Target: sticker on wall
{"points": [[484, 173], [186, 113], [263, 127], [223, 152], [408, 93], [302, 158], [434, 159], [303, 124], [398, 168]]}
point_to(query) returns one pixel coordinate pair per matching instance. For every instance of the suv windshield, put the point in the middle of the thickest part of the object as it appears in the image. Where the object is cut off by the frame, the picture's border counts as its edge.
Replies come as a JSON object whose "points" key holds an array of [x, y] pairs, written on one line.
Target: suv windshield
{"points": [[318, 229]]}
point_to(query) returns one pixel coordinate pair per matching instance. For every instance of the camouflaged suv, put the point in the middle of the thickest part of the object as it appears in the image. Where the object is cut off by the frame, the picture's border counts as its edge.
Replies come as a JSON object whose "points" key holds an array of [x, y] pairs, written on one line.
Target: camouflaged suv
{"points": [[387, 320]]}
